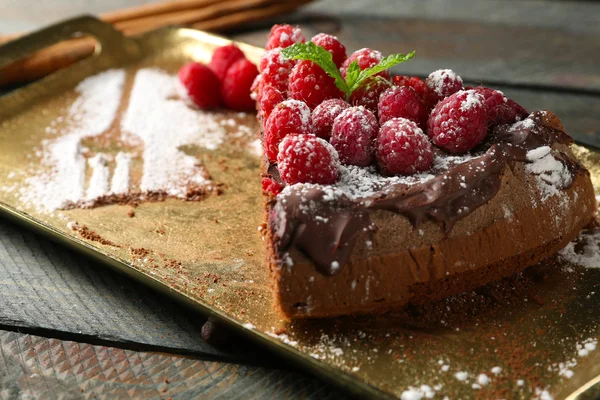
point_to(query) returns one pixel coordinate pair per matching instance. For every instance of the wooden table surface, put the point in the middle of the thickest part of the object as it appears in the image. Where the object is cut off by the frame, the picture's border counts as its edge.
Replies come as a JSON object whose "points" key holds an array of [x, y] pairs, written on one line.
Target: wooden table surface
{"points": [[69, 328]]}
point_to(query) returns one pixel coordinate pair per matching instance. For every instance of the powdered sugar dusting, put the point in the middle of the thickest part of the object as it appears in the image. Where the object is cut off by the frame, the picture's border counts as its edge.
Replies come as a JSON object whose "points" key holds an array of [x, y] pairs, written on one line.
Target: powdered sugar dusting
{"points": [[166, 167], [585, 250], [155, 119], [473, 99], [436, 80], [90, 115], [99, 181], [551, 175], [120, 179], [358, 183]]}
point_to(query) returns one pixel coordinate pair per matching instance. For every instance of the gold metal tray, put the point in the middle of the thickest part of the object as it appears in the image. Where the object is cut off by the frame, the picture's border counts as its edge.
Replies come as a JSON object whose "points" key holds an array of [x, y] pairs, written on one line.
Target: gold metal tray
{"points": [[210, 256]]}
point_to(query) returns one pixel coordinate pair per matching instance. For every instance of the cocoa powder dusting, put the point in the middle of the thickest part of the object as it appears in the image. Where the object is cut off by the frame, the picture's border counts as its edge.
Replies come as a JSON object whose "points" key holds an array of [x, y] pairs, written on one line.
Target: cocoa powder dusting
{"points": [[89, 234]]}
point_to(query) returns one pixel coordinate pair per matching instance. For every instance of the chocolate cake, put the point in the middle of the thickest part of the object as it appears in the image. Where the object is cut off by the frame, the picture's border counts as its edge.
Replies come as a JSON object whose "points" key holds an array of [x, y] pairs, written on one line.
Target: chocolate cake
{"points": [[355, 237]]}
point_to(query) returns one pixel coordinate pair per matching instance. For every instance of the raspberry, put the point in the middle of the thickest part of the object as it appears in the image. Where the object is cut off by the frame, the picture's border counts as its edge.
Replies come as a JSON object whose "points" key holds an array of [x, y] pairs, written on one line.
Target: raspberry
{"points": [[404, 102], [368, 93], [223, 58], [510, 112], [416, 83], [284, 36], [275, 69], [199, 86], [236, 86], [402, 148], [332, 45], [366, 58], [324, 114], [310, 84], [307, 159], [500, 110], [271, 186], [459, 122], [441, 84], [288, 117], [353, 133], [256, 87], [269, 98]]}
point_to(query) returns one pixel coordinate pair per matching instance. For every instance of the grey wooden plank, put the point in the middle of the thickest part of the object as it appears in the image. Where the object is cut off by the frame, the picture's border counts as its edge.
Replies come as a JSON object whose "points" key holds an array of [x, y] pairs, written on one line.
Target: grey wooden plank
{"points": [[45, 286], [574, 16], [35, 367]]}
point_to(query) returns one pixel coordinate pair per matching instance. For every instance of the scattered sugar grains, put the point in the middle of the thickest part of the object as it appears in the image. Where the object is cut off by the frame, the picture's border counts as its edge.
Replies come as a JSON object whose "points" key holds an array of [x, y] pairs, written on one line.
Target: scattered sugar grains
{"points": [[461, 376], [361, 182], [422, 392]]}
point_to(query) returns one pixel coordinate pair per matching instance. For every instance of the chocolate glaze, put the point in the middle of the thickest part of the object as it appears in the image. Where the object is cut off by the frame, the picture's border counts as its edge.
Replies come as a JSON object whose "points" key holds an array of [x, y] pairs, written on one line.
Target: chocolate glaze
{"points": [[329, 232]]}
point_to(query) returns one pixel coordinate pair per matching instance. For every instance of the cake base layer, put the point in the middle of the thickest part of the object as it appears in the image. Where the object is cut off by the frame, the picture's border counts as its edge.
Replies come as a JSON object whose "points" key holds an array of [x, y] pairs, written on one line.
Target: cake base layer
{"points": [[380, 279]]}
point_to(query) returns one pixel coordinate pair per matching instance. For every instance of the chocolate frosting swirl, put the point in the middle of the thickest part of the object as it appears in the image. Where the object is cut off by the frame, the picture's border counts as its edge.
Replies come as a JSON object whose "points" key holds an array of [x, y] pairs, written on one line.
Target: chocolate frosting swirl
{"points": [[328, 233]]}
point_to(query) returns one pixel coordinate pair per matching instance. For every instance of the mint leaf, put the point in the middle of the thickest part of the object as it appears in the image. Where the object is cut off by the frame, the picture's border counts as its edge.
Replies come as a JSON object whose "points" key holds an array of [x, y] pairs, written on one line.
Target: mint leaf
{"points": [[385, 63], [354, 76], [352, 73], [317, 54]]}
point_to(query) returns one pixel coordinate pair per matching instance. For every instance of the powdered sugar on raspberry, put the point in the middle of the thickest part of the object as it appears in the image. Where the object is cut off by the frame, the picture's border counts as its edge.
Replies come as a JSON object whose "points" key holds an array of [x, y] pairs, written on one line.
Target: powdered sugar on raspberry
{"points": [[300, 106], [473, 99], [436, 80]]}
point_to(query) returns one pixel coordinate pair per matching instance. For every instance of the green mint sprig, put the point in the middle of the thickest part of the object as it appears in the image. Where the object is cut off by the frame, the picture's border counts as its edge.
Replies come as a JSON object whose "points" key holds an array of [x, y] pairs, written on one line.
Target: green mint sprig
{"points": [[354, 75]]}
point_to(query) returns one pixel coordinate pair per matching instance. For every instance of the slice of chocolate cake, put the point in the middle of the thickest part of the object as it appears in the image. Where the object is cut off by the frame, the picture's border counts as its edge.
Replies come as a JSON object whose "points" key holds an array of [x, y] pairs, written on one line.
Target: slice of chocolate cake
{"points": [[446, 190]]}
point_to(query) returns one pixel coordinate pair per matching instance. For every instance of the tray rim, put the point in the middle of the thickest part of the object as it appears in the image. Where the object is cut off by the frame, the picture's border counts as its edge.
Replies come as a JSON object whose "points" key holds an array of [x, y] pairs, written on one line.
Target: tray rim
{"points": [[113, 40]]}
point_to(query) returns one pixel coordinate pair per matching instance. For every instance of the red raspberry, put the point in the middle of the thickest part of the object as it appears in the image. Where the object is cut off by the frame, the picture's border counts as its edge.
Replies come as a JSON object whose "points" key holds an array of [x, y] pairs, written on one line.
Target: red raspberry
{"points": [[510, 112], [236, 86], [501, 110], [269, 98], [307, 159], [284, 36], [404, 102], [310, 84], [199, 86], [332, 45], [256, 87], [353, 133], [223, 58], [402, 148], [288, 117], [416, 83], [324, 114], [368, 93], [366, 58], [441, 84], [271, 186], [275, 69], [459, 122]]}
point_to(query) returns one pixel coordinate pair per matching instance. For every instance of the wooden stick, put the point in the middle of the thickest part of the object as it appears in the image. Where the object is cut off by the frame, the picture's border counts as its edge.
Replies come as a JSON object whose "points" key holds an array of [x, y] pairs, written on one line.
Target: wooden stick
{"points": [[234, 20], [155, 9], [46, 61], [191, 16]]}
